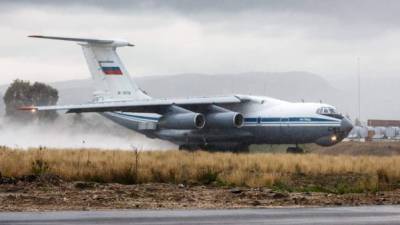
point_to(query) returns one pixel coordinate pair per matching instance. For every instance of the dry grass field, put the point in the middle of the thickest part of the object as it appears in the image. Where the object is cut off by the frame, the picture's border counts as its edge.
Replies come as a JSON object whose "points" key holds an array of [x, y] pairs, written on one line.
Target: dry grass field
{"points": [[309, 172]]}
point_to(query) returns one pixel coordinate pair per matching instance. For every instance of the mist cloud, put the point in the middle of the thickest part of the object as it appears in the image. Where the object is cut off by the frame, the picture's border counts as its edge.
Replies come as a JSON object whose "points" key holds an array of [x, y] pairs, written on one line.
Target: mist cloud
{"points": [[91, 131]]}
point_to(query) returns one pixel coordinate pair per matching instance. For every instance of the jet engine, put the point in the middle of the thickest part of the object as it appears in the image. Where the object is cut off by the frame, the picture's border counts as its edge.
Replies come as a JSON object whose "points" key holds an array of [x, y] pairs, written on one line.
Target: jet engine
{"points": [[179, 118], [224, 120], [218, 117]]}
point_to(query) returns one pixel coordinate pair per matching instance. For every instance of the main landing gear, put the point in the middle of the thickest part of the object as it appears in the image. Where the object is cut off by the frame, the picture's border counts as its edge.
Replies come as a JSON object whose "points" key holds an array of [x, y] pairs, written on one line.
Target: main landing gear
{"points": [[295, 150], [236, 148], [189, 148]]}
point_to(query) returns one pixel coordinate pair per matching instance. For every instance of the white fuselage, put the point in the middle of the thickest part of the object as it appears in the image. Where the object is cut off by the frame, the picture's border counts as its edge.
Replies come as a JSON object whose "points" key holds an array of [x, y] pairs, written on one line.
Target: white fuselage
{"points": [[266, 121]]}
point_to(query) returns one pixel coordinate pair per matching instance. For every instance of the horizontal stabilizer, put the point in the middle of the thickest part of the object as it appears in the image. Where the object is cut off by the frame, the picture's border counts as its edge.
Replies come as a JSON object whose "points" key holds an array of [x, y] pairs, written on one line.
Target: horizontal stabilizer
{"points": [[86, 40]]}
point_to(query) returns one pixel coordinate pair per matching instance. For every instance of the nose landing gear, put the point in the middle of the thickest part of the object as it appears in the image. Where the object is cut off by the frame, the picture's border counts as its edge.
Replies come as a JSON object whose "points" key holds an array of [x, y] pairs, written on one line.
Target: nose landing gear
{"points": [[295, 150]]}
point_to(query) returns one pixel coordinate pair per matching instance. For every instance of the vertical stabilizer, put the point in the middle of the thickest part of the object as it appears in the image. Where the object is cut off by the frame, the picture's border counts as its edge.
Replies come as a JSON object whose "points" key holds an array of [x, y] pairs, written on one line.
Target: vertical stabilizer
{"points": [[111, 78]]}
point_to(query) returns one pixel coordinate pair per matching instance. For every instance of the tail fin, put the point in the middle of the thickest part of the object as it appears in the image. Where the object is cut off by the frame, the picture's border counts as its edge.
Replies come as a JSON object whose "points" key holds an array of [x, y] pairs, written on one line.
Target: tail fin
{"points": [[110, 75]]}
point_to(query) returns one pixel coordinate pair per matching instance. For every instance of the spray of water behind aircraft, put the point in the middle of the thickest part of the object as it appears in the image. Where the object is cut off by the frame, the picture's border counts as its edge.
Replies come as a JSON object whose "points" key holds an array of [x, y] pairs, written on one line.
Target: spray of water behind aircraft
{"points": [[70, 131]]}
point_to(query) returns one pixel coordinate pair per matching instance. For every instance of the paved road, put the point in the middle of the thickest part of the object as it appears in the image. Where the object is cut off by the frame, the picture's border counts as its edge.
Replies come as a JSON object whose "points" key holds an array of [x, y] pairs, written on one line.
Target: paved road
{"points": [[342, 215]]}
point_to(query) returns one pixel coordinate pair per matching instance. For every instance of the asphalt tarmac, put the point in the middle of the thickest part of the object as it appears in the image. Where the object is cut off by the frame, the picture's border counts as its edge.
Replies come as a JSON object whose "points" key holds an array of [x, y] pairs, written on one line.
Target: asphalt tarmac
{"points": [[340, 215]]}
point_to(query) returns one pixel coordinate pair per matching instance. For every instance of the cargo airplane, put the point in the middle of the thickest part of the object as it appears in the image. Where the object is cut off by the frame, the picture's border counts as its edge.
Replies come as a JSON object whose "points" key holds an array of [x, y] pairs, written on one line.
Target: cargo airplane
{"points": [[227, 123]]}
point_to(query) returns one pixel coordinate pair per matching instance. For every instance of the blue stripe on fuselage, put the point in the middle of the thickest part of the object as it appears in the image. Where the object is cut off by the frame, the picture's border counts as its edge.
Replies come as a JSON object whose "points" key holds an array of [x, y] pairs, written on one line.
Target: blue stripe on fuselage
{"points": [[270, 119], [252, 120], [290, 120]]}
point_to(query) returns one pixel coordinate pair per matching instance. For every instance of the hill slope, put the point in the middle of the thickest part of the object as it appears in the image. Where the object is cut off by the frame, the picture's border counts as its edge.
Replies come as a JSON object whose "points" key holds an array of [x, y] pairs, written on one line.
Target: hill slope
{"points": [[292, 86]]}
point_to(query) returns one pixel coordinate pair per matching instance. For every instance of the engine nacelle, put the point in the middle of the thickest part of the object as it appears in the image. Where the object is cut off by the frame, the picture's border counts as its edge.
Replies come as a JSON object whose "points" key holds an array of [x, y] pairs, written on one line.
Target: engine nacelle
{"points": [[187, 120], [224, 120]]}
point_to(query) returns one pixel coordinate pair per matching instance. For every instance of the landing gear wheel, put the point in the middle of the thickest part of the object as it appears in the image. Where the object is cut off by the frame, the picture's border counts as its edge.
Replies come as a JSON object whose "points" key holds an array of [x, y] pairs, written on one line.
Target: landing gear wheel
{"points": [[243, 148], [189, 148], [295, 150], [236, 148]]}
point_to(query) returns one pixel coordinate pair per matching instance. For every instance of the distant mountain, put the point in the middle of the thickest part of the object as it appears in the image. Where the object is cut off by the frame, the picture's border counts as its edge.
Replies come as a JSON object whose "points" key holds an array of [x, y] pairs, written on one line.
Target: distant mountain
{"points": [[292, 86]]}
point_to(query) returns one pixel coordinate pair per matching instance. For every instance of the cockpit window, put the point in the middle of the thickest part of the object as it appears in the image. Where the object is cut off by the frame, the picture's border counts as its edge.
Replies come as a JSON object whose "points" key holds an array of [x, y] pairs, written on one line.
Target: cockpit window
{"points": [[329, 111]]}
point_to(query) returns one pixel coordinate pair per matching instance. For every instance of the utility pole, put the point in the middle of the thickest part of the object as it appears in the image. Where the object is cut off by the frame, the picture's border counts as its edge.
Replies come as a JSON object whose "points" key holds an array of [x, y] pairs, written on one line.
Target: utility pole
{"points": [[359, 88]]}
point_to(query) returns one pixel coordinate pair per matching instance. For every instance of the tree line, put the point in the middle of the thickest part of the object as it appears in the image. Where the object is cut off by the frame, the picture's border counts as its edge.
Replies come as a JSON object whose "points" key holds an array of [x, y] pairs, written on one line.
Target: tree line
{"points": [[24, 93]]}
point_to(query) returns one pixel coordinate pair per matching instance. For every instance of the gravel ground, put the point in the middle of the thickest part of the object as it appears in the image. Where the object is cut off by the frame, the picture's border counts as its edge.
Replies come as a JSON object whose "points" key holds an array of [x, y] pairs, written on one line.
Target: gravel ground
{"points": [[51, 193]]}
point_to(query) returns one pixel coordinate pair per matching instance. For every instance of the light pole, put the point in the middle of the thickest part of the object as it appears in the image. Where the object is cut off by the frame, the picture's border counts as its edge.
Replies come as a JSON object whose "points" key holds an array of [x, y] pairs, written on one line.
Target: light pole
{"points": [[359, 89]]}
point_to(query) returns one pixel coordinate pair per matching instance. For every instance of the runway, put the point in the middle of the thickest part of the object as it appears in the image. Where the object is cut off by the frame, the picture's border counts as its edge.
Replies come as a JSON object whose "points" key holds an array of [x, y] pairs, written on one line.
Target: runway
{"points": [[341, 215]]}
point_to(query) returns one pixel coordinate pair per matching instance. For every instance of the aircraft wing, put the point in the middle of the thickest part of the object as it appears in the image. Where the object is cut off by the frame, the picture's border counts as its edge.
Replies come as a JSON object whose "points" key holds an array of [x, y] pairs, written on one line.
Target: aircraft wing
{"points": [[145, 106]]}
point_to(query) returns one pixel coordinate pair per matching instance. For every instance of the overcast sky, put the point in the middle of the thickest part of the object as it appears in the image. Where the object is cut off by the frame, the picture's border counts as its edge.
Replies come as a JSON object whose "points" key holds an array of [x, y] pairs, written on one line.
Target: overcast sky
{"points": [[322, 37]]}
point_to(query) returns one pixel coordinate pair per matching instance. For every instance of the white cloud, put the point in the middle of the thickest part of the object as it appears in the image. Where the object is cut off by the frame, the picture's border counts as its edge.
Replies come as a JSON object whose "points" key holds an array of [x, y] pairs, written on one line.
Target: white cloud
{"points": [[171, 41]]}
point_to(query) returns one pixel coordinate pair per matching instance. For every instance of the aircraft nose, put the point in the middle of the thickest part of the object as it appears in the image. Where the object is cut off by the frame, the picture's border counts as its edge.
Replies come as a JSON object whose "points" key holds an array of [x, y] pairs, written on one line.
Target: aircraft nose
{"points": [[346, 125]]}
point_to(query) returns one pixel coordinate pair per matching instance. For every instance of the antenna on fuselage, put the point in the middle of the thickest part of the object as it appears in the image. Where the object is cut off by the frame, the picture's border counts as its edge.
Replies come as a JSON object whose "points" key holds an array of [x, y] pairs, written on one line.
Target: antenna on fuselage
{"points": [[359, 88]]}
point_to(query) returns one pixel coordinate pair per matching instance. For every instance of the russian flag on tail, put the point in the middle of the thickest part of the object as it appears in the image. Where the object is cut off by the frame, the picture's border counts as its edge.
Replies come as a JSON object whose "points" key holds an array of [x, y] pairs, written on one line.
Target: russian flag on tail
{"points": [[111, 70]]}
